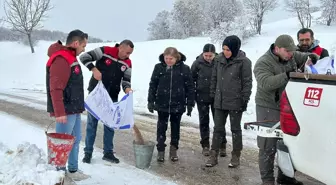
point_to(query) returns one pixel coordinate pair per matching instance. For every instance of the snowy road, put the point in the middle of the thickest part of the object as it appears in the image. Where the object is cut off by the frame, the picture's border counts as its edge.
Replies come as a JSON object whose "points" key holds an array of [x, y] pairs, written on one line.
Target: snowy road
{"points": [[189, 170]]}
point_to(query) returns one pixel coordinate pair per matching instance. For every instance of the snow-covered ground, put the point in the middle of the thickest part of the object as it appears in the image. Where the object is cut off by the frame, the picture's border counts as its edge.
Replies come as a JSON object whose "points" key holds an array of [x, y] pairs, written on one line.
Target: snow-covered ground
{"points": [[23, 70], [23, 150]]}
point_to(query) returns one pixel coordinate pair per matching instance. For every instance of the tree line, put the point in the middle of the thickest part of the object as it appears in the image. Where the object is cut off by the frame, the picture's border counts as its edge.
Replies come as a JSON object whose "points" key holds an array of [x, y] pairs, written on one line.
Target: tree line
{"points": [[219, 18]]}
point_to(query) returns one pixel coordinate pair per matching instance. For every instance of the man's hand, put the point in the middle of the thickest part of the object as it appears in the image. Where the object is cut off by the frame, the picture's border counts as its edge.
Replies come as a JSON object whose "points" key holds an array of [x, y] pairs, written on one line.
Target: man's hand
{"points": [[309, 62], [96, 74], [61, 119], [127, 90]]}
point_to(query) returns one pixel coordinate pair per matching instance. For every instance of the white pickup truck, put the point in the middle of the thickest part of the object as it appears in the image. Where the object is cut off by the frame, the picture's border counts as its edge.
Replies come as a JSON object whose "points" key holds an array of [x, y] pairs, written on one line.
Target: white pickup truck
{"points": [[307, 126]]}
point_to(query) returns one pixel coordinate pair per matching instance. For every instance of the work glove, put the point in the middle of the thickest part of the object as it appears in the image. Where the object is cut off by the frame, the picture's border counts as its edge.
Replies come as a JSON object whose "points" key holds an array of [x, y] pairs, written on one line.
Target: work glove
{"points": [[244, 106], [189, 108], [150, 107]]}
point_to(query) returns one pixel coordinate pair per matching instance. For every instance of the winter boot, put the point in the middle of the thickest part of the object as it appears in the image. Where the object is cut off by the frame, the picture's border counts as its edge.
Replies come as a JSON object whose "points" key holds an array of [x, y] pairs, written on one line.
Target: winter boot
{"points": [[268, 183], [110, 158], [87, 158], [235, 160], [173, 153], [213, 160], [288, 181], [160, 156], [206, 151], [222, 150]]}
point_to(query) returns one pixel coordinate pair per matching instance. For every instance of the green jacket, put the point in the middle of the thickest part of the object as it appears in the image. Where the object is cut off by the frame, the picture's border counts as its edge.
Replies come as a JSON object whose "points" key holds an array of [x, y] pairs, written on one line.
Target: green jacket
{"points": [[270, 74]]}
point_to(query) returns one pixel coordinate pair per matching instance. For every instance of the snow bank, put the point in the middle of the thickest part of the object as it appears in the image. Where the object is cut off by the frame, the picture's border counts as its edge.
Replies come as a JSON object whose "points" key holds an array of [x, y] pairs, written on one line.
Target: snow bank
{"points": [[28, 164]]}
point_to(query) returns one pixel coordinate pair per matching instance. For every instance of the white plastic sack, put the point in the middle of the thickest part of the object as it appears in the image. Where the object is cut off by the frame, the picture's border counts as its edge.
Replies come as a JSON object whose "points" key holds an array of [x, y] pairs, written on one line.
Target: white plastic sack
{"points": [[323, 66], [117, 115]]}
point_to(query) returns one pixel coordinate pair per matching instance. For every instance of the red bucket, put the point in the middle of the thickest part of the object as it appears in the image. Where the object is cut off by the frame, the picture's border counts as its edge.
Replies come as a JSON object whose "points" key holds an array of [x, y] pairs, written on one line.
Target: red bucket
{"points": [[59, 147]]}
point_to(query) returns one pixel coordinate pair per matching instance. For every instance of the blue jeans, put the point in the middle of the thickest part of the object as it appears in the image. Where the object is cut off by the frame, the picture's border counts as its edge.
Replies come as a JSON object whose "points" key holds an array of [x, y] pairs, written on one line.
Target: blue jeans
{"points": [[73, 127], [91, 130]]}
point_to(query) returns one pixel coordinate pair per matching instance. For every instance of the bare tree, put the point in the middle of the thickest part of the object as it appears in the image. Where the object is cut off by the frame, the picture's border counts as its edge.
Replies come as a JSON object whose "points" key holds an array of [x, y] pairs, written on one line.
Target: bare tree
{"points": [[257, 10], [25, 16], [188, 20], [303, 10], [219, 11], [328, 11]]}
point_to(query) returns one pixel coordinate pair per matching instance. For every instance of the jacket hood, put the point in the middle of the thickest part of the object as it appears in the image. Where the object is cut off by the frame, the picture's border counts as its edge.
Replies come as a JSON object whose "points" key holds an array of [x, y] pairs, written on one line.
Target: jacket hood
{"points": [[183, 58], [315, 44], [53, 48], [241, 54]]}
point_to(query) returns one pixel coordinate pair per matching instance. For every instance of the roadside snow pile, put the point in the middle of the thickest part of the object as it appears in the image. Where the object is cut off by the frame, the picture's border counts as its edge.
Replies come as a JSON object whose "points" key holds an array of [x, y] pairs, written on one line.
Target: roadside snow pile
{"points": [[28, 164]]}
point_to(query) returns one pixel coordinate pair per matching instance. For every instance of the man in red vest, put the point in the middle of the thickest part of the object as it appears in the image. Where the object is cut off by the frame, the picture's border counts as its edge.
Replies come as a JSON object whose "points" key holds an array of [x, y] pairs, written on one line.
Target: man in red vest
{"points": [[65, 92], [307, 43]]}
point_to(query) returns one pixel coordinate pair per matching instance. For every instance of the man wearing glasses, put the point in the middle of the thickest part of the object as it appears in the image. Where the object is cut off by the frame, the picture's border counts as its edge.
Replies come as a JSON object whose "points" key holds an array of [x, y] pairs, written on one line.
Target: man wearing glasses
{"points": [[307, 43]]}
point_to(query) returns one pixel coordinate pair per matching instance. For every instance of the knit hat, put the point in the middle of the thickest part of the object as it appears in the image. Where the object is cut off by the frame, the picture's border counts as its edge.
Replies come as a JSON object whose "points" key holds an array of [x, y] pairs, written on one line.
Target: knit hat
{"points": [[233, 43], [209, 48], [285, 41]]}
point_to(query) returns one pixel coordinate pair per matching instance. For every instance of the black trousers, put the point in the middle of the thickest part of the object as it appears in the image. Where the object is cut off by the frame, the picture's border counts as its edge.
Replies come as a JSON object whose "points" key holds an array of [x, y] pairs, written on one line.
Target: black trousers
{"points": [[219, 134], [204, 122], [162, 125]]}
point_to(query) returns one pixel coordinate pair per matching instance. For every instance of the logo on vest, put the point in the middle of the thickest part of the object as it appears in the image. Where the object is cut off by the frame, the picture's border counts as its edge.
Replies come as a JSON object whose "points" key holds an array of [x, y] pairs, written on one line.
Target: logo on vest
{"points": [[123, 68], [108, 62], [77, 70]]}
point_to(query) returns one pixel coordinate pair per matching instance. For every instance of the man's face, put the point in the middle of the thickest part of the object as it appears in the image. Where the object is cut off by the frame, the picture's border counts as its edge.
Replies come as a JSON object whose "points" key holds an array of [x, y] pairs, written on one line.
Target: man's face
{"points": [[79, 46], [305, 41], [124, 51], [284, 54], [208, 56]]}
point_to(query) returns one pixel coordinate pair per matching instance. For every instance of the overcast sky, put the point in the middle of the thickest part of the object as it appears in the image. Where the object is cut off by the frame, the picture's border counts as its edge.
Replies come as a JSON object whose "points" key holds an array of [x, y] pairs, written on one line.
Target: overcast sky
{"points": [[106, 19]]}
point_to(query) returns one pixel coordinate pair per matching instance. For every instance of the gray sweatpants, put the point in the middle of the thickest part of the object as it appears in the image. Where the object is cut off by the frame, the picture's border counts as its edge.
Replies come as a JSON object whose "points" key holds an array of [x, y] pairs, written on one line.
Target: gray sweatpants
{"points": [[267, 146]]}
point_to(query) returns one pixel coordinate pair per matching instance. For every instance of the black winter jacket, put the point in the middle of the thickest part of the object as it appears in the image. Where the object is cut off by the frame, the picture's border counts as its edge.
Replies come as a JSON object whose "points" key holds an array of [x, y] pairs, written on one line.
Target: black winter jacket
{"points": [[171, 89], [231, 82], [201, 72]]}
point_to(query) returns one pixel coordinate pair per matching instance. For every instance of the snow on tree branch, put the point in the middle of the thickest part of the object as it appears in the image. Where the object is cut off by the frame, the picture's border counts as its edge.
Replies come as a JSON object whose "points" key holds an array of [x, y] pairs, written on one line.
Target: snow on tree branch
{"points": [[303, 9], [328, 11], [257, 10]]}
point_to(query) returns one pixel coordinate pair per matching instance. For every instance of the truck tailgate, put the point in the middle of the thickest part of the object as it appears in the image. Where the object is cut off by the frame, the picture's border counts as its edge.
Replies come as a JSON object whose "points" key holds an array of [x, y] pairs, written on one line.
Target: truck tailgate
{"points": [[313, 150]]}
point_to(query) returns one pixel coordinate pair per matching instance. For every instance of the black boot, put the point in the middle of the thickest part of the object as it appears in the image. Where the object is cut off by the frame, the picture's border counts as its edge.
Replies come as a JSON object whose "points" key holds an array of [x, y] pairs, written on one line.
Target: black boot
{"points": [[110, 157], [161, 156], [222, 150], [235, 160], [206, 151], [173, 153], [288, 181], [284, 180], [87, 158], [213, 160]]}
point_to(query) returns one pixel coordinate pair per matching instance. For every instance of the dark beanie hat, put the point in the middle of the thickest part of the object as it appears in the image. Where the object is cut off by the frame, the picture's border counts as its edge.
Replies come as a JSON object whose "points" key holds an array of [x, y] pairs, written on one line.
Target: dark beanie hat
{"points": [[209, 48], [233, 43]]}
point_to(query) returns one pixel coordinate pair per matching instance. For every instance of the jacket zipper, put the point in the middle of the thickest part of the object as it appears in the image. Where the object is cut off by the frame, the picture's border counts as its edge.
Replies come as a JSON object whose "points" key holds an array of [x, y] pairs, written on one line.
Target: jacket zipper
{"points": [[171, 85]]}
